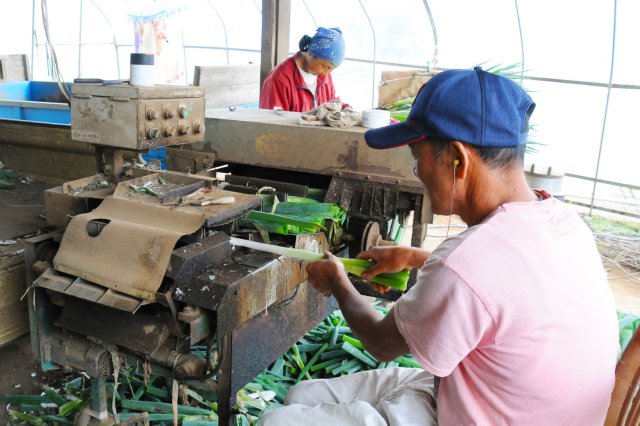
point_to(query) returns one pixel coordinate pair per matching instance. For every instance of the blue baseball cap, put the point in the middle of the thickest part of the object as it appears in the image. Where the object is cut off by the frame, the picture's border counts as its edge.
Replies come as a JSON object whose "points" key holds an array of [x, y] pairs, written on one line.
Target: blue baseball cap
{"points": [[471, 106], [328, 44]]}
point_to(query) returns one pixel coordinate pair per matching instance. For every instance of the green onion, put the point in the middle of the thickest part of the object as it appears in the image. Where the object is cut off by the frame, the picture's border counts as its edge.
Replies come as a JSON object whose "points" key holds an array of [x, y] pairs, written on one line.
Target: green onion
{"points": [[357, 353], [407, 362], [396, 280], [346, 366], [69, 407], [294, 199], [285, 220], [355, 342], [312, 361], [326, 211]]}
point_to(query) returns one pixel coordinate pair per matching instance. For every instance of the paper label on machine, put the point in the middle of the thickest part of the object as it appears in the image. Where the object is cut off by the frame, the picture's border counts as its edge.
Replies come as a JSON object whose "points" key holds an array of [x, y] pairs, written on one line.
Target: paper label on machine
{"points": [[85, 136]]}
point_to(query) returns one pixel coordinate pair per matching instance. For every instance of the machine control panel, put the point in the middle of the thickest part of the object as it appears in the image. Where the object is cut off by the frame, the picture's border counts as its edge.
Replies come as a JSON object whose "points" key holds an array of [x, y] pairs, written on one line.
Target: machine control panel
{"points": [[137, 118]]}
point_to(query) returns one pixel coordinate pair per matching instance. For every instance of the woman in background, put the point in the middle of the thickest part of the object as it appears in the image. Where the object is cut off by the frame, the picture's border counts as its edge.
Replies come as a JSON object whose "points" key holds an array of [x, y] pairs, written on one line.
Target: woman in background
{"points": [[303, 81]]}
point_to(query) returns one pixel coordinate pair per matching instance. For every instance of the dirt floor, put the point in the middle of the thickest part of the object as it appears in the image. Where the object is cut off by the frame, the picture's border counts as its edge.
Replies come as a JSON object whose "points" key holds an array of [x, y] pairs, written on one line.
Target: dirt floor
{"points": [[625, 286], [21, 373], [21, 209]]}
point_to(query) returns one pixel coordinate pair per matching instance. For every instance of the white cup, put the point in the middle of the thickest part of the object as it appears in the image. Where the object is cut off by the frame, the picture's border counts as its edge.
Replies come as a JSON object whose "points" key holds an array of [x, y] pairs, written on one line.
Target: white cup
{"points": [[142, 70], [373, 118]]}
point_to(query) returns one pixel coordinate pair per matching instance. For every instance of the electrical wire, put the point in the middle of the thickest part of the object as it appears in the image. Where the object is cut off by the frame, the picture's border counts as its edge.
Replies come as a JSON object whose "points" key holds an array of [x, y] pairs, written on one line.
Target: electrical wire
{"points": [[453, 190], [34, 36], [606, 107], [55, 67]]}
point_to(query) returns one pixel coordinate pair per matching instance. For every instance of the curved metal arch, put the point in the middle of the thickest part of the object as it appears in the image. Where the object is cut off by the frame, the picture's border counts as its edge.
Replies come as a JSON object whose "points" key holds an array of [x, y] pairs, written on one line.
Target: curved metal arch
{"points": [[606, 106], [373, 63], [434, 59], [115, 41], [521, 41], [310, 14], [257, 6], [224, 28]]}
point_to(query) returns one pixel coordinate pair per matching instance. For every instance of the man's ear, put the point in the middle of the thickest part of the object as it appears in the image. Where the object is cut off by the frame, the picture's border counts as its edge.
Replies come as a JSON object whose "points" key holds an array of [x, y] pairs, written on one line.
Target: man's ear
{"points": [[460, 156]]}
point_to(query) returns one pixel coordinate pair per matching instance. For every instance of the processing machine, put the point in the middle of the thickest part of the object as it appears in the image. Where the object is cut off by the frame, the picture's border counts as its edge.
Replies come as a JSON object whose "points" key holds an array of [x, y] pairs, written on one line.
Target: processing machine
{"points": [[263, 147], [133, 271], [137, 272]]}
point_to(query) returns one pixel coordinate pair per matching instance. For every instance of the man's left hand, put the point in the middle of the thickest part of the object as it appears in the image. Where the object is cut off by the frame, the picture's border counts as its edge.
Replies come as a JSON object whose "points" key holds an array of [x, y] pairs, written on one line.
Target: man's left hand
{"points": [[325, 273]]}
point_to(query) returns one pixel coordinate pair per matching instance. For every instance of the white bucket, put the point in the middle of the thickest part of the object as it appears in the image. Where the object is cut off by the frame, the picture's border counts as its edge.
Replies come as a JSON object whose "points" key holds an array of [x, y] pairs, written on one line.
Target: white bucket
{"points": [[373, 118], [545, 177], [142, 70]]}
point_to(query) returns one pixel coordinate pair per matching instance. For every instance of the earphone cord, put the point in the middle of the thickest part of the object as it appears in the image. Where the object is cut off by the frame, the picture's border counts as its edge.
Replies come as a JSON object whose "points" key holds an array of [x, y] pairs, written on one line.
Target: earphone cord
{"points": [[453, 189]]}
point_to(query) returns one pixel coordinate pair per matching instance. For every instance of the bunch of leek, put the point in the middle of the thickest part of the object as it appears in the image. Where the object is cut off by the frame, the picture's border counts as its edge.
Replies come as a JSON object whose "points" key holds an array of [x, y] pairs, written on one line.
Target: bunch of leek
{"points": [[287, 224], [326, 211], [300, 217], [400, 109], [396, 280]]}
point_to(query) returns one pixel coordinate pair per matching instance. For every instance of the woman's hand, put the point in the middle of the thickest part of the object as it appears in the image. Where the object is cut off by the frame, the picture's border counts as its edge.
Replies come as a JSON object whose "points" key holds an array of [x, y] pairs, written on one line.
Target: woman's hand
{"points": [[326, 273]]}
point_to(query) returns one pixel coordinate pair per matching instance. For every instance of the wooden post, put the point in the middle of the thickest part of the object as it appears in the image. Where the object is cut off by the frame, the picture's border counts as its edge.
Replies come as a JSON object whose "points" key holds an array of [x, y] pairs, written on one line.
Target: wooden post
{"points": [[276, 19]]}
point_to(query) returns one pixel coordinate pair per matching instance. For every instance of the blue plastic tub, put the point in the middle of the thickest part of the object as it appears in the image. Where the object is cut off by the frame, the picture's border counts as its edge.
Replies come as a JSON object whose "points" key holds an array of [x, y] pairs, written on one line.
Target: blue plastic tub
{"points": [[159, 153], [37, 101]]}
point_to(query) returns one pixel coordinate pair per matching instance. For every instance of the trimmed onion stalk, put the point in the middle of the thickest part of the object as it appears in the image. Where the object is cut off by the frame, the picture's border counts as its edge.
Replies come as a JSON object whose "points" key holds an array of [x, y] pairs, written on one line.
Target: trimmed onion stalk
{"points": [[396, 280]]}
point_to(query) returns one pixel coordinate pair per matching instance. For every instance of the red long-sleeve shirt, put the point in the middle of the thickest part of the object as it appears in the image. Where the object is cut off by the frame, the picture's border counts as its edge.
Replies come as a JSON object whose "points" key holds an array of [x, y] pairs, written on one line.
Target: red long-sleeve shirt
{"points": [[285, 87]]}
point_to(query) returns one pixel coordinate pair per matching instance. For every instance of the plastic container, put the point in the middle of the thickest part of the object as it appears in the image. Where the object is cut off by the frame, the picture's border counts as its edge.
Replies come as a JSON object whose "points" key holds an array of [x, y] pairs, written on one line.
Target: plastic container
{"points": [[34, 101], [142, 70], [373, 118], [545, 177]]}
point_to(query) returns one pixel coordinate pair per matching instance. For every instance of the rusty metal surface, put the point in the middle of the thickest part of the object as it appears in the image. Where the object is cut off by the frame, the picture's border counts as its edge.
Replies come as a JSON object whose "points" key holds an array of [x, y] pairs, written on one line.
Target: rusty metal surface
{"points": [[199, 321], [368, 199], [189, 261], [136, 118], [188, 161], [14, 320], [264, 138], [270, 334], [77, 287], [63, 202], [248, 283], [176, 195], [45, 152], [137, 92], [281, 187], [137, 332], [138, 238], [214, 214]]}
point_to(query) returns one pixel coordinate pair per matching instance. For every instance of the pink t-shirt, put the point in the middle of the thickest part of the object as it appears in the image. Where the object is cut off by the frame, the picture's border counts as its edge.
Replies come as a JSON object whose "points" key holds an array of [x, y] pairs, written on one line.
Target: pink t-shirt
{"points": [[517, 317]]}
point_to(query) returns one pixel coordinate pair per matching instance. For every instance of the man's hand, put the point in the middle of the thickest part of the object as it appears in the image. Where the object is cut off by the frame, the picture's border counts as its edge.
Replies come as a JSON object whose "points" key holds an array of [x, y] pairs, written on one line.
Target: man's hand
{"points": [[390, 260], [326, 273]]}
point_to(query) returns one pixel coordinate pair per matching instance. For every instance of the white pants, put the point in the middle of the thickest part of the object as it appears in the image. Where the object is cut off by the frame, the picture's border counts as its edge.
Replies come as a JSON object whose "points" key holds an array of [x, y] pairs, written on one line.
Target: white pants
{"points": [[390, 396]]}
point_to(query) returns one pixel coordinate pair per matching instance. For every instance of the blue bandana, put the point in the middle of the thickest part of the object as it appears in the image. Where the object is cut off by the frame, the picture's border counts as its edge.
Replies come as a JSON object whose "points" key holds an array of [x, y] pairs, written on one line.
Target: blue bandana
{"points": [[328, 44]]}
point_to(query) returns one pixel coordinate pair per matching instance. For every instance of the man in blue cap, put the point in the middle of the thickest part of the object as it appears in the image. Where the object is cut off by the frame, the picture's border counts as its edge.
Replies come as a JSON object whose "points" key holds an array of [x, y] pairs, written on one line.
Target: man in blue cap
{"points": [[514, 315], [304, 81]]}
